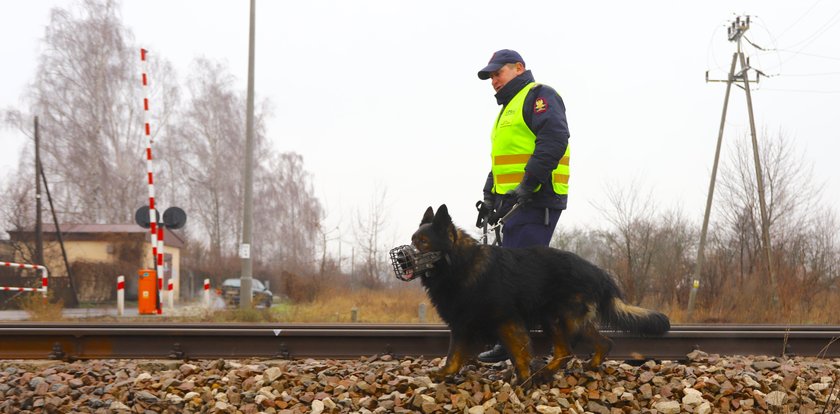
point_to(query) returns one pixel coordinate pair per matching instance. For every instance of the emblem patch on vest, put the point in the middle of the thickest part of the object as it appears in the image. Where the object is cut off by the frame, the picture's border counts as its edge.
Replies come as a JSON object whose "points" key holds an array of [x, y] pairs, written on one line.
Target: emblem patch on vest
{"points": [[540, 106]]}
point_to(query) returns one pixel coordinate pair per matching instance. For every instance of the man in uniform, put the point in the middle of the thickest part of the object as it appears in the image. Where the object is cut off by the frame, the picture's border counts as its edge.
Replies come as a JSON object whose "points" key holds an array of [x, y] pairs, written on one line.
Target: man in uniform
{"points": [[530, 160]]}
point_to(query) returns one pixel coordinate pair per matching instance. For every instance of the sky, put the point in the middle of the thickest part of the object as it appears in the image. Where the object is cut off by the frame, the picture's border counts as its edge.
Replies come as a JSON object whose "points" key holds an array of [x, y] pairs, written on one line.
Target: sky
{"points": [[382, 96]]}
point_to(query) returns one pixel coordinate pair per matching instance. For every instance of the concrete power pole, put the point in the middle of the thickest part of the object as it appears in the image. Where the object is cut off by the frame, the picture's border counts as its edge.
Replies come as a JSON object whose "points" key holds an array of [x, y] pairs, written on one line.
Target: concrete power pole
{"points": [[735, 33], [39, 231], [248, 219]]}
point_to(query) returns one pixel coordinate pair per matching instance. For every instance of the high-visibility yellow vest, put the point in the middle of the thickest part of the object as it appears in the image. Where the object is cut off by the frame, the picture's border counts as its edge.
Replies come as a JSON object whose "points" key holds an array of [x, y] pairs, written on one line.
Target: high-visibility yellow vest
{"points": [[513, 144]]}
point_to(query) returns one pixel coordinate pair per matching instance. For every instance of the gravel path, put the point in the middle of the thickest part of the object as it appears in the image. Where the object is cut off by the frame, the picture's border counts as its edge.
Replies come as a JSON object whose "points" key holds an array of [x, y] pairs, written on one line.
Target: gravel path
{"points": [[706, 384]]}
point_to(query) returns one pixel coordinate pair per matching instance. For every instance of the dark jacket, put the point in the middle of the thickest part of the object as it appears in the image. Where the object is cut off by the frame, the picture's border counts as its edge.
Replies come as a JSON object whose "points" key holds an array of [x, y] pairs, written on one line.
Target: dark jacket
{"points": [[552, 133]]}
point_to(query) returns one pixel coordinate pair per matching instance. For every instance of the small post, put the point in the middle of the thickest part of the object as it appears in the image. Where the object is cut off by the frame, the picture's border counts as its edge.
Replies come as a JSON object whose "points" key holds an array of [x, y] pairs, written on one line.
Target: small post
{"points": [[421, 312], [170, 299], [354, 314], [207, 293], [692, 297], [45, 281], [161, 269], [120, 295]]}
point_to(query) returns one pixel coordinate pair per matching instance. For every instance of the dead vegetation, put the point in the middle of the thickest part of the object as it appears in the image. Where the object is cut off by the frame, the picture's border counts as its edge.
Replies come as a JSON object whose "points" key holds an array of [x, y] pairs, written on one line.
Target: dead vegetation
{"points": [[40, 308]]}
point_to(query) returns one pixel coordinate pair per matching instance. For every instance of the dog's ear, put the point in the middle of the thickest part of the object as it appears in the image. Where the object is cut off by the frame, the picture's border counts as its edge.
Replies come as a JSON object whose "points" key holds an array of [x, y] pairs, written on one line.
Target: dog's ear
{"points": [[442, 219], [427, 216]]}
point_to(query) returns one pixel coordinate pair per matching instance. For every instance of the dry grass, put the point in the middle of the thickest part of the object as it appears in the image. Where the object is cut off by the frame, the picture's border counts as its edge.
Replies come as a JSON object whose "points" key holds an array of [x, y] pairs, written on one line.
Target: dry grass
{"points": [[740, 307], [41, 309], [399, 305], [236, 315]]}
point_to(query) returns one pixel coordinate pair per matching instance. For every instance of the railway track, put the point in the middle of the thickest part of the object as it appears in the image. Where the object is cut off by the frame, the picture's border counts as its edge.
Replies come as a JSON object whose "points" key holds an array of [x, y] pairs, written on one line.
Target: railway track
{"points": [[72, 341]]}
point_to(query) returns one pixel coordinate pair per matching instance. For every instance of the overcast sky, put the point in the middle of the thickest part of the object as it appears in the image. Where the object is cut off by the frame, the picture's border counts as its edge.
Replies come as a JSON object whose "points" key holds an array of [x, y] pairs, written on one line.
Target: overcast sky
{"points": [[384, 95]]}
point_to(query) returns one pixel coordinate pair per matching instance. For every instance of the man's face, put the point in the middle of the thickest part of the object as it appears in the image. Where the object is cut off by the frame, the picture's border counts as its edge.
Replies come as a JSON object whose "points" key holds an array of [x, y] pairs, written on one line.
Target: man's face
{"points": [[501, 77]]}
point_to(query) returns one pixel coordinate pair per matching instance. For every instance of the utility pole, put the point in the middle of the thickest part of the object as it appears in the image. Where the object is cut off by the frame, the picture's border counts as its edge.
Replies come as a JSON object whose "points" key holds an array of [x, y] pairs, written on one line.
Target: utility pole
{"points": [[39, 231], [735, 33], [247, 222]]}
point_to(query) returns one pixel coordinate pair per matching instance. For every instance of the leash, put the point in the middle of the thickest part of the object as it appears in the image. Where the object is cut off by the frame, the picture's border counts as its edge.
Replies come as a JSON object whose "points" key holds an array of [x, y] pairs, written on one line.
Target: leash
{"points": [[497, 227]]}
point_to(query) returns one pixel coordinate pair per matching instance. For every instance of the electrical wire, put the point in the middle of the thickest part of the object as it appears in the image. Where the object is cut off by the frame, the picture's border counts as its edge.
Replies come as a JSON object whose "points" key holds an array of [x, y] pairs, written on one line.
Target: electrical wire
{"points": [[819, 32], [775, 50], [802, 91], [795, 53], [812, 74], [810, 54], [758, 58], [757, 46], [772, 50], [710, 50], [798, 20]]}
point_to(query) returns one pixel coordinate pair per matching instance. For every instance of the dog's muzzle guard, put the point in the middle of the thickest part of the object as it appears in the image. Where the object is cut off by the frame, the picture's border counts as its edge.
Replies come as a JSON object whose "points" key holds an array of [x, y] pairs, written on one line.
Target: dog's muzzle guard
{"points": [[409, 263]]}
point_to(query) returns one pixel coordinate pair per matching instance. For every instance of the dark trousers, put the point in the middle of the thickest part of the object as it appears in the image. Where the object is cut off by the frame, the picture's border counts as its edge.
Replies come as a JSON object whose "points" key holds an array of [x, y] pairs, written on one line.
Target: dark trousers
{"points": [[530, 226]]}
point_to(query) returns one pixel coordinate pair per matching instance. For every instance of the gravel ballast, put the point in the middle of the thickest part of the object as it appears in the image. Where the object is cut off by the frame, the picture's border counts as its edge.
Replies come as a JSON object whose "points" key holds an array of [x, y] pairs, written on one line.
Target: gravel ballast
{"points": [[382, 384]]}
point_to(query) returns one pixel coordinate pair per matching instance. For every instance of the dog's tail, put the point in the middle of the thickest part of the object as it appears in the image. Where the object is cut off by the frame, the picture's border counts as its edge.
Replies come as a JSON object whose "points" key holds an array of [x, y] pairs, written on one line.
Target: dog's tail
{"points": [[629, 318]]}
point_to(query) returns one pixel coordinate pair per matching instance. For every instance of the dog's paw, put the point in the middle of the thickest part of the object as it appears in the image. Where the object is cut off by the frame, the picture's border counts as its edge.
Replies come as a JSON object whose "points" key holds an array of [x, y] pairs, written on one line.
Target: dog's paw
{"points": [[526, 383], [537, 364], [437, 376], [440, 376], [540, 372], [504, 374], [574, 367], [467, 368], [495, 376], [593, 367]]}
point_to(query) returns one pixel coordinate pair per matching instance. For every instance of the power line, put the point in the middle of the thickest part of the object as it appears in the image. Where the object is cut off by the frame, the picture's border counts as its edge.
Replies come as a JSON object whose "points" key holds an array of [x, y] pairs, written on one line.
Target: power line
{"points": [[801, 91], [811, 74], [735, 33], [808, 40], [799, 19], [710, 51], [809, 54], [757, 46], [775, 44], [758, 56], [819, 32], [777, 52]]}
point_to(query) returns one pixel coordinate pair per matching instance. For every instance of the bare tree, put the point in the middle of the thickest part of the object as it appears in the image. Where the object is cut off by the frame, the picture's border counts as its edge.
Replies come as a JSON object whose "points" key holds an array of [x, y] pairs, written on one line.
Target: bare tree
{"points": [[811, 257], [673, 256], [207, 175], [288, 214], [803, 235], [207, 155], [87, 94], [586, 243], [792, 198], [632, 243], [368, 230], [650, 254], [16, 211]]}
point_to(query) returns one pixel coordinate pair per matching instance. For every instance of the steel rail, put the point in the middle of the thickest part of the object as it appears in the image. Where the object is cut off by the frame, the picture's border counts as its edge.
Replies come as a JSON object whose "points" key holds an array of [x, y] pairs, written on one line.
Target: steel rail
{"points": [[71, 341]]}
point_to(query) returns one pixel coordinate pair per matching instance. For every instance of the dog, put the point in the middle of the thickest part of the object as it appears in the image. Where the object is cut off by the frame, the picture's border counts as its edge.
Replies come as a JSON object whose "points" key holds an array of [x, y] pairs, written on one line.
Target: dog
{"points": [[485, 293]]}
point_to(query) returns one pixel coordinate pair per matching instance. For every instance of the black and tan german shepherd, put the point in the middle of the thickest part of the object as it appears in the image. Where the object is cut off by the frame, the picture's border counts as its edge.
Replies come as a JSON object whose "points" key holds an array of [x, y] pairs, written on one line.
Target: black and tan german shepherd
{"points": [[486, 293]]}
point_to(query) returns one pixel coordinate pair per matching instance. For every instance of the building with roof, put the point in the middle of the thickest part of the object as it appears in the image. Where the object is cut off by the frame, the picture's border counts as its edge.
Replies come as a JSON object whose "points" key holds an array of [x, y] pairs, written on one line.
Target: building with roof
{"points": [[98, 253]]}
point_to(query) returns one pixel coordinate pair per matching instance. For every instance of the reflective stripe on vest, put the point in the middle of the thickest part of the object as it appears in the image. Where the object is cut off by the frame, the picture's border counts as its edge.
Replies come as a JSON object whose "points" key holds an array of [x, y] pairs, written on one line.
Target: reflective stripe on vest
{"points": [[513, 143]]}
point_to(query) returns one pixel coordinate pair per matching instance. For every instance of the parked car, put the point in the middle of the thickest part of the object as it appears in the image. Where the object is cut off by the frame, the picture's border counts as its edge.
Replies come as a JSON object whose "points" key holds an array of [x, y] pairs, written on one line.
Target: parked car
{"points": [[260, 296]]}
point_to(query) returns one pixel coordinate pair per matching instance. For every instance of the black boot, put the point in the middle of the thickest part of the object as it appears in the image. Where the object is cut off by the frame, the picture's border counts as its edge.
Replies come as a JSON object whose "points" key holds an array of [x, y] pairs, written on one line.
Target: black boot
{"points": [[497, 354]]}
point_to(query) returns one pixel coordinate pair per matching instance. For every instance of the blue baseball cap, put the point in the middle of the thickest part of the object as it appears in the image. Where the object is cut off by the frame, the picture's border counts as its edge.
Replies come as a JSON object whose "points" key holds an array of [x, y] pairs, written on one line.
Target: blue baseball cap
{"points": [[499, 59]]}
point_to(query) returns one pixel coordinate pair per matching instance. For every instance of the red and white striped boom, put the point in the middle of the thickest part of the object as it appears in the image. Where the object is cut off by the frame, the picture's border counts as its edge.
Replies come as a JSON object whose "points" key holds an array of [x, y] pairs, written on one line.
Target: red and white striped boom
{"points": [[44, 278]]}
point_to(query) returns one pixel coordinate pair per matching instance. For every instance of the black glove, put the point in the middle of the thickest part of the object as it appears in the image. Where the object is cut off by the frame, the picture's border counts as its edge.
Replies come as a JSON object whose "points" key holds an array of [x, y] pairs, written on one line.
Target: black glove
{"points": [[522, 195], [485, 209], [502, 209]]}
